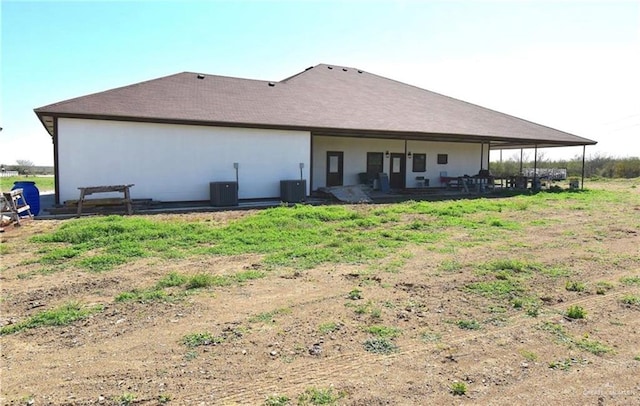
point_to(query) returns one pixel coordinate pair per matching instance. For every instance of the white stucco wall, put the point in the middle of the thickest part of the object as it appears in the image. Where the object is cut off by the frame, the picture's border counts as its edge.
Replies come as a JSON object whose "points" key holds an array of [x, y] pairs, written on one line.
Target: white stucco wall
{"points": [[170, 162], [464, 158]]}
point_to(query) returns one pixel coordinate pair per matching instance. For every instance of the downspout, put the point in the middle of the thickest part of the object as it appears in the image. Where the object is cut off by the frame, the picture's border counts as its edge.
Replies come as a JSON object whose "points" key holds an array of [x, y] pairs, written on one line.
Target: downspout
{"points": [[584, 148], [310, 163], [56, 167]]}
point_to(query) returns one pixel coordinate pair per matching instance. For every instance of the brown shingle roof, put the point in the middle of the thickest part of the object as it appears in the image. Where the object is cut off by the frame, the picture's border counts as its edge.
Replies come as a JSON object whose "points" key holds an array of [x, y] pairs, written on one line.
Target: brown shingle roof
{"points": [[325, 99]]}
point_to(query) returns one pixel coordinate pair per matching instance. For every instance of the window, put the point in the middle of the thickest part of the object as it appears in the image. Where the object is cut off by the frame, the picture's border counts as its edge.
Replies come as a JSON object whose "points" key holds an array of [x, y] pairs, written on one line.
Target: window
{"points": [[375, 163], [443, 159], [419, 162]]}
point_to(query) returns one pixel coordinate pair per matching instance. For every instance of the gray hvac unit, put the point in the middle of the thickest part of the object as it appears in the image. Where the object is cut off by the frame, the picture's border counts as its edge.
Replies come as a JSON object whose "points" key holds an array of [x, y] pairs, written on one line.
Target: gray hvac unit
{"points": [[293, 191], [224, 193]]}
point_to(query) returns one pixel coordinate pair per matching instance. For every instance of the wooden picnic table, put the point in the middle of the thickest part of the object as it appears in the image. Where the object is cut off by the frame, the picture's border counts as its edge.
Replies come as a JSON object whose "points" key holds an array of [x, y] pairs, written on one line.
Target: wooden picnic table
{"points": [[89, 190]]}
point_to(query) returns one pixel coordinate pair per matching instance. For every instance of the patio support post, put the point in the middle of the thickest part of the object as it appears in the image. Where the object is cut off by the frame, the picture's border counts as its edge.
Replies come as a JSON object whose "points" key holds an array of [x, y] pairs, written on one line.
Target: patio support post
{"points": [[481, 155], [584, 148], [520, 161], [489, 156], [534, 182]]}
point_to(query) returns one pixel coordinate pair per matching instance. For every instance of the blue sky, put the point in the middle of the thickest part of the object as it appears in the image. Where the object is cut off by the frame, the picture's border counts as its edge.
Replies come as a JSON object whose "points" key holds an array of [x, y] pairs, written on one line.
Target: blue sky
{"points": [[571, 65]]}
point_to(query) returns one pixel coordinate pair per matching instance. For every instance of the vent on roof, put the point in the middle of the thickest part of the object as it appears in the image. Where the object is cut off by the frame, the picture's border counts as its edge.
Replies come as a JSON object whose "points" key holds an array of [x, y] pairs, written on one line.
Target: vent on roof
{"points": [[310, 67], [344, 69], [272, 84], [359, 71], [200, 76], [329, 67]]}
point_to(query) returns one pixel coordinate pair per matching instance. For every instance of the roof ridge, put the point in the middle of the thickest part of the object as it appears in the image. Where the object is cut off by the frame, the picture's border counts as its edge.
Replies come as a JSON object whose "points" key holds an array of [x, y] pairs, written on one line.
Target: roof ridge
{"points": [[329, 65]]}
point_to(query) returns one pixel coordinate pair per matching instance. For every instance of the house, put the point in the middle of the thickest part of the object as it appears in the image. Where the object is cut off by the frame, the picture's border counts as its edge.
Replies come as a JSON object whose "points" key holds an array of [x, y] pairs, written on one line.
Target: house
{"points": [[174, 135]]}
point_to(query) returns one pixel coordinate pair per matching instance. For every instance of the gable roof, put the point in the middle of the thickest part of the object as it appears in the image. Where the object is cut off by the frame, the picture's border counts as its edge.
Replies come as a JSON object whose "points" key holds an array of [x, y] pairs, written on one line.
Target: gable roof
{"points": [[325, 99]]}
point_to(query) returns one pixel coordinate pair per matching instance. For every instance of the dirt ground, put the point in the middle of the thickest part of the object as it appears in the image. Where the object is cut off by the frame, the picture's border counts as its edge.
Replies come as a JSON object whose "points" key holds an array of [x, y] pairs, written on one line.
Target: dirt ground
{"points": [[131, 352]]}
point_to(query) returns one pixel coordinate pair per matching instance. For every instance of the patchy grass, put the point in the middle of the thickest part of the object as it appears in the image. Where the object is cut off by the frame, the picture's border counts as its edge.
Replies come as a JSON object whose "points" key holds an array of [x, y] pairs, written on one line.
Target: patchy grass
{"points": [[562, 336], [468, 325], [200, 339], [204, 280], [268, 317], [60, 316], [172, 279], [630, 300], [142, 296], [575, 286], [413, 271], [300, 237], [383, 331], [329, 327], [630, 280]]}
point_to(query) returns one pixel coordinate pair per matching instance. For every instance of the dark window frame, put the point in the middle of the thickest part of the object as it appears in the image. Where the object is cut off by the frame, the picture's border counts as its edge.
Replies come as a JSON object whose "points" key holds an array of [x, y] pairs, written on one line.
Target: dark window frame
{"points": [[443, 159], [370, 155], [419, 164]]}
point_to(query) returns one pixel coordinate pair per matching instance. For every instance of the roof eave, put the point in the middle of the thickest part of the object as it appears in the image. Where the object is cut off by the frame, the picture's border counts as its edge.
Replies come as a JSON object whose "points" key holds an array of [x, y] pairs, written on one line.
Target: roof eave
{"points": [[498, 142]]}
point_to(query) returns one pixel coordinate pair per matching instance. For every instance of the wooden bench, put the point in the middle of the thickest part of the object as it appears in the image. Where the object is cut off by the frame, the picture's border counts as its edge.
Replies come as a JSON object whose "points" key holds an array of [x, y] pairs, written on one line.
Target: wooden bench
{"points": [[126, 200]]}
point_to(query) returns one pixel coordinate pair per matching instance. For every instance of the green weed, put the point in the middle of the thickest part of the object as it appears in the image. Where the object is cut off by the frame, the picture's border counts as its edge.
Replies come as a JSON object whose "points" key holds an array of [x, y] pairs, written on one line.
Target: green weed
{"points": [[172, 279], [319, 396], [592, 346], [450, 266], [277, 400], [383, 331], [468, 325], [576, 312], [496, 288], [380, 345], [268, 317], [126, 399], [203, 280], [529, 355], [63, 315], [458, 388], [630, 300], [630, 280], [355, 294], [200, 339], [101, 263], [142, 296], [603, 286], [330, 327], [574, 286], [566, 364], [429, 336], [164, 398]]}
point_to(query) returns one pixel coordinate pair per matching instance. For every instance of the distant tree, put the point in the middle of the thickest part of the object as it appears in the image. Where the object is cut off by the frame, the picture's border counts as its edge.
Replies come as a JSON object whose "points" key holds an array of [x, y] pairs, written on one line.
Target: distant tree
{"points": [[24, 167]]}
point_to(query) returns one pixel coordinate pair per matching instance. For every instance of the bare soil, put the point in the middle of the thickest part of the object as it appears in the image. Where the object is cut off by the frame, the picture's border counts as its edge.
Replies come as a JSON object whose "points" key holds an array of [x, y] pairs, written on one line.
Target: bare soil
{"points": [[131, 352]]}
